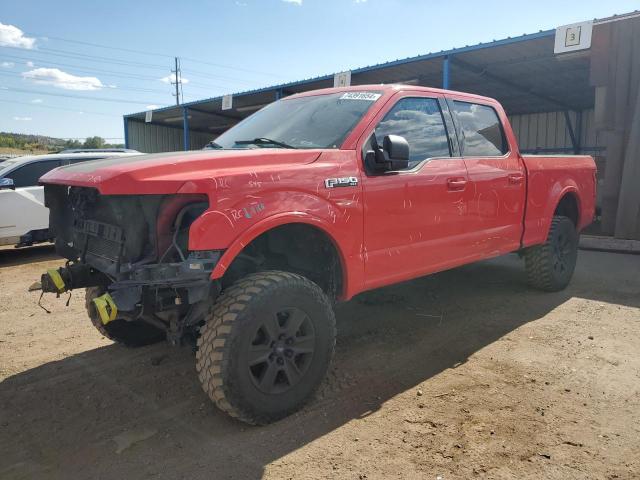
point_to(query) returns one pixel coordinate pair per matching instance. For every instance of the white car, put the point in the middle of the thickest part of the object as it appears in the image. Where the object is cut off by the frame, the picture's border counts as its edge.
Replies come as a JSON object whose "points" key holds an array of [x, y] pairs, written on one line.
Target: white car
{"points": [[24, 220]]}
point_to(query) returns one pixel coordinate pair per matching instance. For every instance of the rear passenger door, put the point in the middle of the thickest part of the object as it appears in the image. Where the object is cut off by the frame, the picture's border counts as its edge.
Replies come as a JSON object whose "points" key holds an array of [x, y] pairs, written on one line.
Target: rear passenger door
{"points": [[496, 177]]}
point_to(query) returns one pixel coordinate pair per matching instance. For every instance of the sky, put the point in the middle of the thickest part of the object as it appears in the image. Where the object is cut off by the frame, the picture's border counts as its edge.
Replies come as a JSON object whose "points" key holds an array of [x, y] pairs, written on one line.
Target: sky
{"points": [[56, 81]]}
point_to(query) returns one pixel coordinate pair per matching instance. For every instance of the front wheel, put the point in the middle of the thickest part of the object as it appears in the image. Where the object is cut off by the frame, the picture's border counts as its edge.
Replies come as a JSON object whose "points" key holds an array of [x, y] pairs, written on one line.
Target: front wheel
{"points": [[266, 346], [131, 334], [550, 265]]}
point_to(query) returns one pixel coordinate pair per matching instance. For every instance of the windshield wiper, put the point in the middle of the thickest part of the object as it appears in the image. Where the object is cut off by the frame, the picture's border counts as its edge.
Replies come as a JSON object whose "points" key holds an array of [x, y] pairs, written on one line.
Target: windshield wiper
{"points": [[212, 144], [263, 141]]}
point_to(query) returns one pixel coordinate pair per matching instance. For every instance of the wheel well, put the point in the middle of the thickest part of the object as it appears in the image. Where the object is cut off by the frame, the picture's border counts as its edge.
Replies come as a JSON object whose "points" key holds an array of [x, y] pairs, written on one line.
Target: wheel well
{"points": [[297, 248], [568, 207]]}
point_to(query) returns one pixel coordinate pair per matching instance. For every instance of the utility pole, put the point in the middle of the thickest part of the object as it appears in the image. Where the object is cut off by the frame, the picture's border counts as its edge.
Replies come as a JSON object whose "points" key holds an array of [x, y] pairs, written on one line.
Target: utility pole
{"points": [[177, 77]]}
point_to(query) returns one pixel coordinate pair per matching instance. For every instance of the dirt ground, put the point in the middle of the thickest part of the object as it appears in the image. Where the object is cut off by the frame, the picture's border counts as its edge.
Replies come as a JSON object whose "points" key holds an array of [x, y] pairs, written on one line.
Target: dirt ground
{"points": [[464, 374]]}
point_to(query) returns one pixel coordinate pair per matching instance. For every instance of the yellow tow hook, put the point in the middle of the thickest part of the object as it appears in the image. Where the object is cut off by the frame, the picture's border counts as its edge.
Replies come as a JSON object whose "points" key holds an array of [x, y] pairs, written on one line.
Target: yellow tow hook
{"points": [[57, 280], [106, 308]]}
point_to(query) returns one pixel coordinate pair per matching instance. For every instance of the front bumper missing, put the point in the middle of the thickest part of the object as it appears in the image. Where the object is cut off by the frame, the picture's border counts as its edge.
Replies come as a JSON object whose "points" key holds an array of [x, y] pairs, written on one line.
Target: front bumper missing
{"points": [[149, 287]]}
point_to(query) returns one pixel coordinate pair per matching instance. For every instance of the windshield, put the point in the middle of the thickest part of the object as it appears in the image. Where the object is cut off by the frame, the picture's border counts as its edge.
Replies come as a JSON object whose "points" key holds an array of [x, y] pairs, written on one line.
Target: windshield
{"points": [[319, 121]]}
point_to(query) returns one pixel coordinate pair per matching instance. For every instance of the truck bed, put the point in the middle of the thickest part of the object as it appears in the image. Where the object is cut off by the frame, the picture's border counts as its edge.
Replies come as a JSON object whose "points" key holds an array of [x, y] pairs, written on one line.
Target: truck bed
{"points": [[549, 179]]}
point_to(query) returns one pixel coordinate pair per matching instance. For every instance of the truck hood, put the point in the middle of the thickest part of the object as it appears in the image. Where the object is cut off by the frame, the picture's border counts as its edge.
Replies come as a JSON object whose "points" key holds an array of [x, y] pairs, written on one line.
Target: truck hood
{"points": [[174, 172]]}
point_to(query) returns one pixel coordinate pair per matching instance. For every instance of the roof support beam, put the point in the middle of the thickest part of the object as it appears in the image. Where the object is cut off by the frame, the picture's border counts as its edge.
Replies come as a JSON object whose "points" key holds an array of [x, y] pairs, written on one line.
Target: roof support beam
{"points": [[217, 114], [482, 72], [575, 139], [126, 132], [445, 72], [185, 128]]}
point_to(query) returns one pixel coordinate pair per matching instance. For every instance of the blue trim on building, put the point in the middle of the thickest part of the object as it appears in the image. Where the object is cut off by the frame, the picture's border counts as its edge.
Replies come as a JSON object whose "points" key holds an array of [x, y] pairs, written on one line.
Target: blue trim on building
{"points": [[185, 128]]}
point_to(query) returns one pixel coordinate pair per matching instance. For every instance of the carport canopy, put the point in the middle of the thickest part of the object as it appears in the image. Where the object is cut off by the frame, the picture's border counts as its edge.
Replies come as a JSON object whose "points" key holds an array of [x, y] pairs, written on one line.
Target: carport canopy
{"points": [[523, 73]]}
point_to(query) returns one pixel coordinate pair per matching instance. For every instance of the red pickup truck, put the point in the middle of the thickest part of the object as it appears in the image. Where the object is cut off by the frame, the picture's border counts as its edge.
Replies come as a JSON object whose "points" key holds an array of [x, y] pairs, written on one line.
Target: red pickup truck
{"points": [[243, 247]]}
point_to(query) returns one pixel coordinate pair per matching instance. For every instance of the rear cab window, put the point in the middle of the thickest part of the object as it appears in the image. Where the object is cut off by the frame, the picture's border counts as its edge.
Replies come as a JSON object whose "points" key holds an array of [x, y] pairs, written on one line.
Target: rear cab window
{"points": [[480, 129]]}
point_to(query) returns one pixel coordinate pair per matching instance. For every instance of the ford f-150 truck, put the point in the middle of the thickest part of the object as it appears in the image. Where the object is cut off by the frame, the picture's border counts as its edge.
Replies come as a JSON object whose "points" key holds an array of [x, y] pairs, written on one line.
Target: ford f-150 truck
{"points": [[244, 247]]}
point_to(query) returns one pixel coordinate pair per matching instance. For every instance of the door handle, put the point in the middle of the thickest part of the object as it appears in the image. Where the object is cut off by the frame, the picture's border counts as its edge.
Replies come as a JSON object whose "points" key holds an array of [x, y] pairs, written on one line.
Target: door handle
{"points": [[456, 184], [516, 178]]}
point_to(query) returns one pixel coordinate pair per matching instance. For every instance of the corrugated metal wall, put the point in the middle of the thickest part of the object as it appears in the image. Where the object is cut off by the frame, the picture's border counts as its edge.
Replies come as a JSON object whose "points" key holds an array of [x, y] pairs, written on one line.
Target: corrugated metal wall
{"points": [[151, 138], [542, 133], [548, 131]]}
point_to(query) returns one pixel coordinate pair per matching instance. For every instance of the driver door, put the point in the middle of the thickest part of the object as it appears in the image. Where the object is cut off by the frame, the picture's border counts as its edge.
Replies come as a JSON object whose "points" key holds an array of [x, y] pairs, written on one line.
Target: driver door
{"points": [[414, 220]]}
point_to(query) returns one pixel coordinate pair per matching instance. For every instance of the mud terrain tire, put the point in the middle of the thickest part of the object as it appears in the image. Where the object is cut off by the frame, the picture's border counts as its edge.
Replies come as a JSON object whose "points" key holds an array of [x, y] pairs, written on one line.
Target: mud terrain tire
{"points": [[550, 266], [266, 346]]}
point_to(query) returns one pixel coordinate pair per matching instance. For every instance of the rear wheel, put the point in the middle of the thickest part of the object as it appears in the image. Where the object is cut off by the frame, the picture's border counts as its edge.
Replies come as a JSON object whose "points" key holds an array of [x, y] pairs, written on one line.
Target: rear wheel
{"points": [[550, 265], [266, 346], [131, 334]]}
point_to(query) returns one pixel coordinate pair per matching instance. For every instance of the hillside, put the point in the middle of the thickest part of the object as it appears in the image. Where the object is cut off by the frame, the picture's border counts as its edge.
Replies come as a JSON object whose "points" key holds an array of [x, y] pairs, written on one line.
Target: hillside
{"points": [[23, 143]]}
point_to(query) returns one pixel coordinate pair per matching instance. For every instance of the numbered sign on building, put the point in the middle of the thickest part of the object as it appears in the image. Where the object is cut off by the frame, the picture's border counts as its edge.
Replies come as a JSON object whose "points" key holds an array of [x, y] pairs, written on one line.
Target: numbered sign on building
{"points": [[342, 79], [148, 116], [574, 37], [227, 102]]}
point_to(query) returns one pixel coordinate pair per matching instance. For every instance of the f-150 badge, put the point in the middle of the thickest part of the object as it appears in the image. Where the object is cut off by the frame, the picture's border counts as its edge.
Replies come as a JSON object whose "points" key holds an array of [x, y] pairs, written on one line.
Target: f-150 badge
{"points": [[341, 182]]}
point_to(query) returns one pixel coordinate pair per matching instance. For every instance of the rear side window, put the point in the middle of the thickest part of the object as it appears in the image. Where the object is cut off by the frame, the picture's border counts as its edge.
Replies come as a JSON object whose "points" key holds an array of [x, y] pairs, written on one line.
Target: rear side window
{"points": [[482, 134], [28, 175], [420, 122]]}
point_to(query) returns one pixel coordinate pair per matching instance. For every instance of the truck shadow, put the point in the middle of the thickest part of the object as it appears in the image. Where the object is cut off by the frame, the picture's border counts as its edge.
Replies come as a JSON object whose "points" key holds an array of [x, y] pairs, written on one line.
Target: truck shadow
{"points": [[115, 412], [11, 256]]}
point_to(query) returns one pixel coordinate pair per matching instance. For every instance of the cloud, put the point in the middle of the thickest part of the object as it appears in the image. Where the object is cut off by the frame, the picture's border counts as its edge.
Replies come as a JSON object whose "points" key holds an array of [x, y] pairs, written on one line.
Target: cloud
{"points": [[37, 100], [295, 2], [30, 64], [360, 1], [241, 4], [11, 36], [22, 119], [172, 79], [151, 107], [57, 78], [7, 64]]}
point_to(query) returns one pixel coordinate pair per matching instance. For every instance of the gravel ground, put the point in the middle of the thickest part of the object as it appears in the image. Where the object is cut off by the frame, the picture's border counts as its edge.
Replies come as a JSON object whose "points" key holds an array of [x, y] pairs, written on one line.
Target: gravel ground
{"points": [[464, 374]]}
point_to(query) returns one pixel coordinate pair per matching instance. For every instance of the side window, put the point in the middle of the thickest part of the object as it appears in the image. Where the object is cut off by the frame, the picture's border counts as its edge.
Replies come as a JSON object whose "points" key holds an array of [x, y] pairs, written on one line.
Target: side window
{"points": [[420, 122], [482, 133], [28, 175]]}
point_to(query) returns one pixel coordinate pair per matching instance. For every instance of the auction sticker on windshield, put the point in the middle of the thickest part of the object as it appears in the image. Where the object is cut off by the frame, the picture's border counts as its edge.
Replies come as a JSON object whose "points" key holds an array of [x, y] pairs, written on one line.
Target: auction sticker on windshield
{"points": [[371, 97]]}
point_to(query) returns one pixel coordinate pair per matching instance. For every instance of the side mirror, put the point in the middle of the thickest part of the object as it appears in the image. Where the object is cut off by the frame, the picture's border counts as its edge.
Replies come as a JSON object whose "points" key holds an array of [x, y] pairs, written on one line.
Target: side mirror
{"points": [[394, 154], [397, 150], [7, 184]]}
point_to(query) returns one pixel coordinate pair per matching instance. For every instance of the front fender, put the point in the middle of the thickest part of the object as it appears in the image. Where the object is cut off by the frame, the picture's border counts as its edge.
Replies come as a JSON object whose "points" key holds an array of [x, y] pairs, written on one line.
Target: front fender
{"points": [[231, 227]]}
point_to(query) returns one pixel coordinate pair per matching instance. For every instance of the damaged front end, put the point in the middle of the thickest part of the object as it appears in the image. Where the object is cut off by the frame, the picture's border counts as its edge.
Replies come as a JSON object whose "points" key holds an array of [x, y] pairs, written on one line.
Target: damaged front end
{"points": [[135, 249]]}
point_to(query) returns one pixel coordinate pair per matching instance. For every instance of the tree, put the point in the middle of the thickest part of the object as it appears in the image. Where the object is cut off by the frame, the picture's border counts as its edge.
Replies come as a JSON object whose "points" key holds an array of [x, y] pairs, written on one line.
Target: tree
{"points": [[94, 142], [72, 144]]}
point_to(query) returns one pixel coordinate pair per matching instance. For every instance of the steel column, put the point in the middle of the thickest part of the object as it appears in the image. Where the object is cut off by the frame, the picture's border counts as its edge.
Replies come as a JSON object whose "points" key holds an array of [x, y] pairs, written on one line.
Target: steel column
{"points": [[126, 132], [445, 72], [185, 128]]}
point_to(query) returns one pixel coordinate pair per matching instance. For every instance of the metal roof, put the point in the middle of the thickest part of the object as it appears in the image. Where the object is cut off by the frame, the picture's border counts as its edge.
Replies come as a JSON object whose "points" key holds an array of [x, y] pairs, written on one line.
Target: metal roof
{"points": [[521, 72]]}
